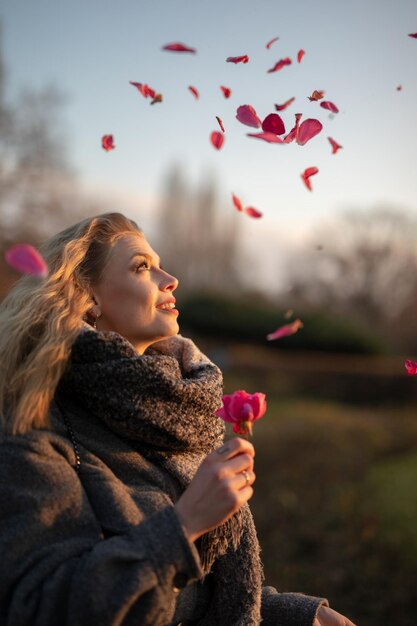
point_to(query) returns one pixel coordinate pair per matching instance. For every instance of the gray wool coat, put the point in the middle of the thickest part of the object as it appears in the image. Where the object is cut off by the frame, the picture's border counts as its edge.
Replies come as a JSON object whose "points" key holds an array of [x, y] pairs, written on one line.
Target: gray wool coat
{"points": [[102, 546]]}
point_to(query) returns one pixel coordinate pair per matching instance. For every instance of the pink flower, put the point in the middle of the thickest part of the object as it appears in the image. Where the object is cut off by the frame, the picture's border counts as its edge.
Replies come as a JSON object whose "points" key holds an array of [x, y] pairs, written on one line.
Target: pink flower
{"points": [[411, 367], [241, 409]]}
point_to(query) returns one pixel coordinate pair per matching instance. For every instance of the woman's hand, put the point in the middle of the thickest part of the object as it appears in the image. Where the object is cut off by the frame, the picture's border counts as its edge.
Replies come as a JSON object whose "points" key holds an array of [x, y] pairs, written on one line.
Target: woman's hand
{"points": [[222, 483], [328, 617]]}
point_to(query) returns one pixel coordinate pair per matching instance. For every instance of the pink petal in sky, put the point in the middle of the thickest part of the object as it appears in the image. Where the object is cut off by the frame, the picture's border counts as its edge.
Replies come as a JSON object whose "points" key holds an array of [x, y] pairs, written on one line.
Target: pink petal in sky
{"points": [[26, 259], [246, 114], [194, 91], [286, 330], [107, 143], [252, 212], [414, 35], [270, 42], [305, 176], [220, 123], [329, 106], [237, 202], [285, 105], [226, 91], [178, 47], [335, 146], [307, 130], [273, 124], [300, 55], [280, 64], [242, 59], [144, 89], [268, 137], [217, 139]]}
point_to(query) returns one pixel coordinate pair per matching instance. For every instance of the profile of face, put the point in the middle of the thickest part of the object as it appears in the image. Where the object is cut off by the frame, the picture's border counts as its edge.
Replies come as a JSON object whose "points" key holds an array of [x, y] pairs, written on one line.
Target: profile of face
{"points": [[134, 296]]}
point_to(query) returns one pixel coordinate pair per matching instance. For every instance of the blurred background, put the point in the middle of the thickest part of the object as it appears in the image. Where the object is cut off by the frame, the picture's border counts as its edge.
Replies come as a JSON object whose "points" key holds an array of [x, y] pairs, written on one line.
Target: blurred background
{"points": [[336, 492]]}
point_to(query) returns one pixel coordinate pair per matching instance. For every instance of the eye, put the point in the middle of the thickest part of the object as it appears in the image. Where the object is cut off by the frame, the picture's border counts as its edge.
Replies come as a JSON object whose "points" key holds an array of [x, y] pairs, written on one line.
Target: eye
{"points": [[143, 265]]}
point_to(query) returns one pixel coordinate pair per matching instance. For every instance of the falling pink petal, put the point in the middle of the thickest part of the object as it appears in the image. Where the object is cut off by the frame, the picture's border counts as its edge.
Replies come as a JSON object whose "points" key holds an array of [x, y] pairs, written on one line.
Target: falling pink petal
{"points": [[269, 44], [217, 139], [399, 88], [335, 146], [285, 105], [226, 91], [278, 66], [300, 55], [26, 259], [414, 35], [194, 91], [316, 95], [253, 212], [246, 114], [269, 137], [411, 367], [220, 123], [273, 124], [144, 89], [238, 204], [307, 130], [242, 59], [107, 143], [286, 330], [329, 106], [293, 134], [178, 47], [305, 176]]}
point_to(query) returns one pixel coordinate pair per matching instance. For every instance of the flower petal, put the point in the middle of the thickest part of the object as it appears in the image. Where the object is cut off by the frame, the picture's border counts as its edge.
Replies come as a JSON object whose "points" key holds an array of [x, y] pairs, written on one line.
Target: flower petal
{"points": [[194, 91], [217, 139], [237, 202], [286, 104], [316, 95], [269, 137], [300, 55], [273, 124], [158, 98], [293, 134], [144, 89], [242, 59], [280, 64], [178, 47], [329, 106], [253, 212], [26, 259], [270, 42], [411, 367], [286, 330], [107, 143], [220, 123], [246, 114], [258, 403], [399, 87], [305, 176], [335, 146], [414, 35], [226, 91], [307, 130]]}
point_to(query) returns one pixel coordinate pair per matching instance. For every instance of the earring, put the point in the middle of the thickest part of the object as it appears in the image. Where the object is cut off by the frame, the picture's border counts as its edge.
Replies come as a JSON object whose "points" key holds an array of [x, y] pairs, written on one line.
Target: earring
{"points": [[95, 321]]}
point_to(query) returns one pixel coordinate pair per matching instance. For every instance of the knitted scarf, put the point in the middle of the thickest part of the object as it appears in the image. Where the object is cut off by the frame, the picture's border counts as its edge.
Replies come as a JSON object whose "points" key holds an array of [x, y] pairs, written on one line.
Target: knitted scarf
{"points": [[163, 402]]}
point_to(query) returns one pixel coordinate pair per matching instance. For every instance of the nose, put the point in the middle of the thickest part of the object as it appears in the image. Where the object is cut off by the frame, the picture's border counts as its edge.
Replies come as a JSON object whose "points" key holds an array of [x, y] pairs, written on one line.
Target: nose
{"points": [[169, 283]]}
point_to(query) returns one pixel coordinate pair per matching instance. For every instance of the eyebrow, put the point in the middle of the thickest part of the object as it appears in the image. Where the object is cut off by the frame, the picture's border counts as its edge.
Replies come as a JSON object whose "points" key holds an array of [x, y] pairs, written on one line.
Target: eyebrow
{"points": [[148, 257]]}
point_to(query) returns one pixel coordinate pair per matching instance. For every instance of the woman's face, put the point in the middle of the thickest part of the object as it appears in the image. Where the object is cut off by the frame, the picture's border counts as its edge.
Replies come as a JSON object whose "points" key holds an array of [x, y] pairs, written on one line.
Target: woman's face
{"points": [[134, 296]]}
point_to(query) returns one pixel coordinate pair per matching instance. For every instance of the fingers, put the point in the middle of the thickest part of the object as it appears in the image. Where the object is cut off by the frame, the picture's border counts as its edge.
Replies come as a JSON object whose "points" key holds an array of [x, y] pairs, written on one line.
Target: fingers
{"points": [[234, 447]]}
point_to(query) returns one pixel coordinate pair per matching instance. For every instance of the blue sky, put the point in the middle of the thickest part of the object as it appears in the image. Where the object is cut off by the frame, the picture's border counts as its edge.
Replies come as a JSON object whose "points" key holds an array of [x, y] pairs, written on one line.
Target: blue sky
{"points": [[357, 51]]}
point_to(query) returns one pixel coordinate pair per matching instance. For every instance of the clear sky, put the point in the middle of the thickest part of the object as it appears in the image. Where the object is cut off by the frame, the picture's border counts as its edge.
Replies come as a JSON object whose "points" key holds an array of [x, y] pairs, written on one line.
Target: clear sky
{"points": [[357, 51]]}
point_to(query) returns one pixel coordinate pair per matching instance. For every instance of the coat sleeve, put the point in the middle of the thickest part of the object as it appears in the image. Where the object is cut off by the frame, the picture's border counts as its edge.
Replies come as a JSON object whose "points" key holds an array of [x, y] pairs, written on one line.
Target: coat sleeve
{"points": [[55, 566], [289, 609]]}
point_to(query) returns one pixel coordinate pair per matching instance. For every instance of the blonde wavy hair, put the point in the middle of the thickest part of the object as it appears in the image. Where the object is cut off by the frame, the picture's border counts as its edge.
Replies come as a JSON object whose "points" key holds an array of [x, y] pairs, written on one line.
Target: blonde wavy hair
{"points": [[41, 318]]}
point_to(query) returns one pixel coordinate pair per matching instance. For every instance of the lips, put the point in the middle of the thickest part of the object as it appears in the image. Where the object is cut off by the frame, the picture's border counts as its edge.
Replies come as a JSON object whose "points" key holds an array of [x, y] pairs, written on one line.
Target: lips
{"points": [[167, 305]]}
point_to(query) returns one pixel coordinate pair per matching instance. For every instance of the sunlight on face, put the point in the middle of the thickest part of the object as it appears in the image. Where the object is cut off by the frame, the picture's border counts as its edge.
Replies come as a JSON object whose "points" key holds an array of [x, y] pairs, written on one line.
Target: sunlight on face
{"points": [[135, 295]]}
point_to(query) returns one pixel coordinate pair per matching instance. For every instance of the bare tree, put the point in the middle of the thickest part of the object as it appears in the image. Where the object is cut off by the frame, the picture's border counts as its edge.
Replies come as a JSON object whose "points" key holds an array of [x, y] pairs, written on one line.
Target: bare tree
{"points": [[364, 265], [199, 242]]}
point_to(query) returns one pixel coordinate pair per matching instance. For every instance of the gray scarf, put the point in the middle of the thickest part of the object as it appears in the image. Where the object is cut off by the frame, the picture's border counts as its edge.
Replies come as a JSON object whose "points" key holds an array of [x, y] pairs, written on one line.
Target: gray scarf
{"points": [[163, 402]]}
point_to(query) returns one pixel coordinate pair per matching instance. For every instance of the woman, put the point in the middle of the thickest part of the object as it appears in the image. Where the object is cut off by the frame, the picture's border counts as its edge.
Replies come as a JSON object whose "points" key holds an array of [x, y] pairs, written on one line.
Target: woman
{"points": [[120, 504]]}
